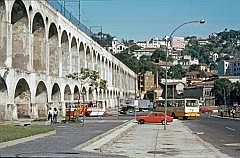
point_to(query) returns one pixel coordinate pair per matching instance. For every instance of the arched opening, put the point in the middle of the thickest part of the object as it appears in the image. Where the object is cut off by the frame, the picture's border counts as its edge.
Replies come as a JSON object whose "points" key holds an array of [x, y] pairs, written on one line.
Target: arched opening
{"points": [[67, 93], [3, 33], [22, 99], [65, 53], [90, 94], [39, 52], [41, 100], [3, 100], [56, 94], [100, 95], [20, 40], [88, 58], [98, 65], [106, 68], [94, 60], [74, 62], [102, 69], [76, 93], [53, 50], [83, 94], [82, 55]]}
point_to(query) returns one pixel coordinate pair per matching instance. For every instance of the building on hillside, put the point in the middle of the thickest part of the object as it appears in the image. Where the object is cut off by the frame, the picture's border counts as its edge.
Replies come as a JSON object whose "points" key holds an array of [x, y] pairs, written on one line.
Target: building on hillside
{"points": [[178, 43], [229, 67], [193, 77], [174, 89], [116, 47], [232, 79], [203, 41], [204, 67], [234, 67], [186, 61], [164, 64], [152, 43], [146, 82], [215, 56], [143, 51], [222, 67], [203, 92], [196, 77]]}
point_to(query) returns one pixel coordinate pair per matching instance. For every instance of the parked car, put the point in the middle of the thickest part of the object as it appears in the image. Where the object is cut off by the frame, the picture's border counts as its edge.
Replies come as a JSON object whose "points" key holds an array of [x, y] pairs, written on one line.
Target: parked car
{"points": [[154, 117]]}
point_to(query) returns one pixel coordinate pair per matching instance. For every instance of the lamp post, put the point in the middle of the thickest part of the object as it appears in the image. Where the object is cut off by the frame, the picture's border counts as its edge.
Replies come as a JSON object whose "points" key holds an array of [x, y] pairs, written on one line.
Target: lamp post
{"points": [[84, 106], [170, 40]]}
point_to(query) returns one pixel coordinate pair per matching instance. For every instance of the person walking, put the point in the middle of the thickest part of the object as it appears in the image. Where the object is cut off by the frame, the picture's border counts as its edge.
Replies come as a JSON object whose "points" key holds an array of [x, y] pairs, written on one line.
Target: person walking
{"points": [[50, 114], [233, 112], [55, 114]]}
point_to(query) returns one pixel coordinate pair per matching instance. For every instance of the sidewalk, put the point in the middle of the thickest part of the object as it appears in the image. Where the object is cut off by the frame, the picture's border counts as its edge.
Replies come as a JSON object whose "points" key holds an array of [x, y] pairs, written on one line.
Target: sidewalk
{"points": [[151, 140]]}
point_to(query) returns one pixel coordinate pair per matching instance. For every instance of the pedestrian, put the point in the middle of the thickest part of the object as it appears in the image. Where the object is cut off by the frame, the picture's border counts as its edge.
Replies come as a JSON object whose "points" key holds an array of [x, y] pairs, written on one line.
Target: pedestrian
{"points": [[55, 114], [50, 114], [233, 112]]}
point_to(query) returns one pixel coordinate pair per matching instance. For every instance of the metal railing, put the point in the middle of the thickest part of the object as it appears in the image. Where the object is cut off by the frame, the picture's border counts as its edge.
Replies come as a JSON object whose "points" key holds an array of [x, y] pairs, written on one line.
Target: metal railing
{"points": [[67, 14]]}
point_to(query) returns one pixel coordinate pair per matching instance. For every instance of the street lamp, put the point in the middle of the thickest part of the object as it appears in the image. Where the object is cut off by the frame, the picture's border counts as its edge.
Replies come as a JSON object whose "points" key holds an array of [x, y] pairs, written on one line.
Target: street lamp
{"points": [[84, 106], [170, 40]]}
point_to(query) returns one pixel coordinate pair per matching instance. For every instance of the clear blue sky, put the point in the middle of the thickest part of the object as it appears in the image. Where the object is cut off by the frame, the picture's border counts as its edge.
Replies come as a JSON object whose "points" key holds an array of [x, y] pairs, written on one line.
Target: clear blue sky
{"points": [[143, 19]]}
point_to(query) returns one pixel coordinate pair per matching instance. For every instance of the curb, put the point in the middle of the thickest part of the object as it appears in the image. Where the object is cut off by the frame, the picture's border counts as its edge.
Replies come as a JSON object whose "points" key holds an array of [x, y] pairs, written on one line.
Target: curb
{"points": [[230, 118], [25, 139], [104, 135]]}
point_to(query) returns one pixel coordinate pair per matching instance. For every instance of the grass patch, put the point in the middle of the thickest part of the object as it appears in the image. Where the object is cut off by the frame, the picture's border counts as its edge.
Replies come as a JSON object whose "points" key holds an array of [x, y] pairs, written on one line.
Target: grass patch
{"points": [[12, 132]]}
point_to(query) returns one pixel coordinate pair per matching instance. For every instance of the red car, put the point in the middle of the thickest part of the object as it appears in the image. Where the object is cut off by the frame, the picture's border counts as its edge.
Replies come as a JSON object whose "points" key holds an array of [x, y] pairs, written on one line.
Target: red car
{"points": [[205, 109], [154, 117]]}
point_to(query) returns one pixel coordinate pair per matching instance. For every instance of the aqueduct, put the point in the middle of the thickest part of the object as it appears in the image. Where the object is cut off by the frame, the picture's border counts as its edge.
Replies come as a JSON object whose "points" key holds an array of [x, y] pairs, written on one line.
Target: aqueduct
{"points": [[38, 48]]}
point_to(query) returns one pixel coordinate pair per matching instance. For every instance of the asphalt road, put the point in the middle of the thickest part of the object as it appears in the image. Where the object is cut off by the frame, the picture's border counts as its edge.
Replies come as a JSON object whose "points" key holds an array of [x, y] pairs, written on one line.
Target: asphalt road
{"points": [[224, 134], [67, 137]]}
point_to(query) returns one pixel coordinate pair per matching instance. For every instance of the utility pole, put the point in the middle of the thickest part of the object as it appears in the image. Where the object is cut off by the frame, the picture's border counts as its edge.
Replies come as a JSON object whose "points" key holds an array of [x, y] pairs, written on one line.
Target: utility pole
{"points": [[79, 11]]}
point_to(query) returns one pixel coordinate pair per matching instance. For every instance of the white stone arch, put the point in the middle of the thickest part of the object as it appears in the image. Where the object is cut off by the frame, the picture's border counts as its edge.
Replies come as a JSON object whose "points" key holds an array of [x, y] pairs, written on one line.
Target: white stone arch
{"points": [[20, 36], [55, 93], [90, 94], [53, 50], [106, 68], [3, 34], [94, 59], [98, 64], [39, 43], [88, 58], [4, 109], [84, 94], [82, 55], [41, 99], [22, 99], [67, 93], [65, 53], [102, 68], [74, 55], [76, 93]]}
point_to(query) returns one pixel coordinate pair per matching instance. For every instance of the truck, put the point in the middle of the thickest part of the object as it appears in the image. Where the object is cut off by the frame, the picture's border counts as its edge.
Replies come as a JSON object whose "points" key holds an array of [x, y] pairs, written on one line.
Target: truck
{"points": [[143, 105]]}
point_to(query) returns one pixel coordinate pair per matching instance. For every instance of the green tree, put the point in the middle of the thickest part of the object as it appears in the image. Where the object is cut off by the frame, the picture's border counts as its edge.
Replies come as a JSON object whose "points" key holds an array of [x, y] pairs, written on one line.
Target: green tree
{"points": [[151, 95], [159, 54], [222, 89], [235, 93], [103, 39], [194, 67], [91, 77], [177, 72]]}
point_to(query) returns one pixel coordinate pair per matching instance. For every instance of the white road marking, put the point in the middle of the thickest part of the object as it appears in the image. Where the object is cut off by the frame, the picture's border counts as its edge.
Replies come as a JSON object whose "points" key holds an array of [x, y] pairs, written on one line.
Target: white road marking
{"points": [[229, 128], [233, 144]]}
